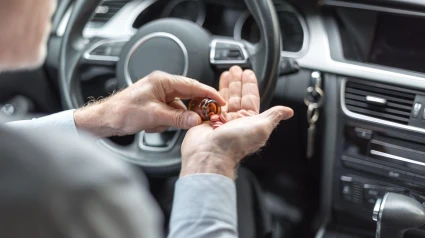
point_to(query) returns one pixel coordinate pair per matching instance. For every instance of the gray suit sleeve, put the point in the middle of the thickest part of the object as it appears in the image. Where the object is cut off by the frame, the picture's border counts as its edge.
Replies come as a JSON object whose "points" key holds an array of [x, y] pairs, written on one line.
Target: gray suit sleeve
{"points": [[204, 206], [61, 121]]}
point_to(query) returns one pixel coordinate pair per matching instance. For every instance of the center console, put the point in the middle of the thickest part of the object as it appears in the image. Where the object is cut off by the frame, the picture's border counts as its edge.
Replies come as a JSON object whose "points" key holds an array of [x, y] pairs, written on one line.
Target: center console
{"points": [[382, 147], [374, 128]]}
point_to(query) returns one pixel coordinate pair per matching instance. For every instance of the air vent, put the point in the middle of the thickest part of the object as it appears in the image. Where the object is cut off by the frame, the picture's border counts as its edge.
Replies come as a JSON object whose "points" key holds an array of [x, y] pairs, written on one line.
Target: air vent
{"points": [[379, 101], [106, 11]]}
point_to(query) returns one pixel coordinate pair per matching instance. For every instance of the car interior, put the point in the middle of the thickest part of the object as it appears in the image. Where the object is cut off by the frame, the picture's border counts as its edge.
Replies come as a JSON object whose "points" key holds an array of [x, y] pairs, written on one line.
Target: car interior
{"points": [[350, 163]]}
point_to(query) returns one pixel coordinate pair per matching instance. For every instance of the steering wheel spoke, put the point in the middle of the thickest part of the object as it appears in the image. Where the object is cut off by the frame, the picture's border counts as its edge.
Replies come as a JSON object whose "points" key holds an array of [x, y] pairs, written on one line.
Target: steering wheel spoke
{"points": [[160, 162], [225, 52], [158, 142], [104, 51]]}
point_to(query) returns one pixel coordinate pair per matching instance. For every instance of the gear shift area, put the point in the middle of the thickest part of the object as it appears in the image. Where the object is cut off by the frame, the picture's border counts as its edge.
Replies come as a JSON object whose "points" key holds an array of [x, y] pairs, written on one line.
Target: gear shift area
{"points": [[395, 214]]}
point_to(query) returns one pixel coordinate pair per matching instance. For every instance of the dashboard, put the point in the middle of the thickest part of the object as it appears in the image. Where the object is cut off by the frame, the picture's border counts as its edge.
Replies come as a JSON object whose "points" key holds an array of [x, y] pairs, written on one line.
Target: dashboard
{"points": [[225, 18]]}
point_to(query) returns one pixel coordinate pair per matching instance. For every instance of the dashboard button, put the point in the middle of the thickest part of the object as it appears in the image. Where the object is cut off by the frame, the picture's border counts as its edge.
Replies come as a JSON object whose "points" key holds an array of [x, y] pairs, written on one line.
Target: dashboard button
{"points": [[372, 191], [101, 50], [363, 133], [225, 51], [235, 54], [416, 109], [346, 188], [398, 174], [226, 54], [116, 50]]}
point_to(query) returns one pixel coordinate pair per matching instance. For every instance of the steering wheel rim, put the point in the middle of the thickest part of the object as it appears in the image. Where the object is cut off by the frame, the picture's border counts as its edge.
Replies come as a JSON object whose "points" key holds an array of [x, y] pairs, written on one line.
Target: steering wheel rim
{"points": [[264, 58]]}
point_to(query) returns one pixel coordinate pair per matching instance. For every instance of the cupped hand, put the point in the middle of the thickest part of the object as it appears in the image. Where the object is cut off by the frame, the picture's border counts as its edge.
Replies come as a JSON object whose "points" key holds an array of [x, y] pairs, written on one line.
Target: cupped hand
{"points": [[152, 104], [205, 150]]}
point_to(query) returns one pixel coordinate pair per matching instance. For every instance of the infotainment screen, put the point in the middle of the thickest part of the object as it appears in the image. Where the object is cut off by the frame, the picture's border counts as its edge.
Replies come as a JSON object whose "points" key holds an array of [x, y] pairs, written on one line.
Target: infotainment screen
{"points": [[399, 42]]}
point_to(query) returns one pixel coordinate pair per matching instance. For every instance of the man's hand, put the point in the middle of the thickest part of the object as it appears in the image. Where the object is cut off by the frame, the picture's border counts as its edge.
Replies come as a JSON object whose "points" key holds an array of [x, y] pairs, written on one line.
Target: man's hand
{"points": [[152, 104], [205, 150]]}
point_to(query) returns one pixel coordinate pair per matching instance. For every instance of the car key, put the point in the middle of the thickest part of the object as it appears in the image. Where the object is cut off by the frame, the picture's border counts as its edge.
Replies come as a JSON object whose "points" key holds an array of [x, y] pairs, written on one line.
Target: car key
{"points": [[312, 117], [313, 100]]}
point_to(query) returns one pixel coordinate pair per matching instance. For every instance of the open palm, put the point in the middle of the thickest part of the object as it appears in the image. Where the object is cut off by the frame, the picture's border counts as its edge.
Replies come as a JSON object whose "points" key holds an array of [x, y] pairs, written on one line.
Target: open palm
{"points": [[245, 132]]}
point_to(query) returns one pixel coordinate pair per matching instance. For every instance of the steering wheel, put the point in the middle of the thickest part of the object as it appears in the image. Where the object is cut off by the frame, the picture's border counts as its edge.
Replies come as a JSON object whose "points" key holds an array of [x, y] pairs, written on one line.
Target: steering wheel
{"points": [[175, 46]]}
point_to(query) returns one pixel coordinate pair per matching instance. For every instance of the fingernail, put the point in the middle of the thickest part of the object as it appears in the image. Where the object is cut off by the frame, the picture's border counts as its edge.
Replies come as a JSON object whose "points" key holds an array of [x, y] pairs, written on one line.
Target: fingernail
{"points": [[288, 115], [192, 121]]}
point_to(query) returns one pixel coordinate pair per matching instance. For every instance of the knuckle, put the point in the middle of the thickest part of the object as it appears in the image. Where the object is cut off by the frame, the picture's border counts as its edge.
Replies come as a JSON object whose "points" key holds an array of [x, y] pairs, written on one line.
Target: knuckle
{"points": [[163, 80], [156, 76], [179, 119], [184, 81], [193, 82]]}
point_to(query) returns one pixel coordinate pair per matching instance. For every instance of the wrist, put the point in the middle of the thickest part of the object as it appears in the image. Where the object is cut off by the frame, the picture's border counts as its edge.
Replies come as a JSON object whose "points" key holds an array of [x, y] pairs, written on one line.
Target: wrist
{"points": [[209, 162], [94, 119]]}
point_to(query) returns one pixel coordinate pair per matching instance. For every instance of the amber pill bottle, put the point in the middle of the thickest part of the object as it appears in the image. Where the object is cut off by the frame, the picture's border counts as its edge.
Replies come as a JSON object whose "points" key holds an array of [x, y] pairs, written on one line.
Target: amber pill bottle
{"points": [[205, 107]]}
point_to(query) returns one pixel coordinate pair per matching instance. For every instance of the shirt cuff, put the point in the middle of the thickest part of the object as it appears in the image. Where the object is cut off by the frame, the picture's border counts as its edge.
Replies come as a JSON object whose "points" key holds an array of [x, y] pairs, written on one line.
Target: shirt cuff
{"points": [[202, 202], [61, 121]]}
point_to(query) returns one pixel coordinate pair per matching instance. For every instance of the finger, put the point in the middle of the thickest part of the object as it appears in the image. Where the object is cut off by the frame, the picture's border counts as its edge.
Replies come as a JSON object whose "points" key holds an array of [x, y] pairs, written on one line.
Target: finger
{"points": [[157, 129], [177, 118], [177, 104], [245, 113], [186, 88], [275, 114], [250, 95], [235, 89], [224, 85]]}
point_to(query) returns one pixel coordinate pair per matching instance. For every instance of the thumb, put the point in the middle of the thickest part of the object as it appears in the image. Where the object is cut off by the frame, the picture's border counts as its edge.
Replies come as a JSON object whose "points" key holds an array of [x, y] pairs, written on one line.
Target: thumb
{"points": [[276, 114], [178, 118]]}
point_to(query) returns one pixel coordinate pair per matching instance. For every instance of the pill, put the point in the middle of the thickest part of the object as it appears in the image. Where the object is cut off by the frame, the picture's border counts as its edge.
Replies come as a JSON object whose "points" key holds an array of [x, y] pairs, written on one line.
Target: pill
{"points": [[214, 118], [222, 119]]}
